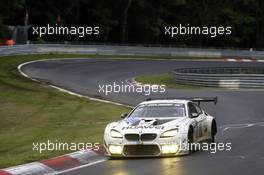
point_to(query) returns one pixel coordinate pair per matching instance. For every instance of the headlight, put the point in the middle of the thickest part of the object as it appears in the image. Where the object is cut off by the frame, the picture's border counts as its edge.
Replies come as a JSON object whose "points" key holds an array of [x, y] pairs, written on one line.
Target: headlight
{"points": [[169, 149], [170, 133], [115, 149], [115, 134]]}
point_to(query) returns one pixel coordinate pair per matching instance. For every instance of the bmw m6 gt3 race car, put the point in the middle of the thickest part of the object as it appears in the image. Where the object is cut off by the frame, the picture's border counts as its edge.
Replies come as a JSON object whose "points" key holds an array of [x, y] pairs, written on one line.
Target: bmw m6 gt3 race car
{"points": [[160, 127]]}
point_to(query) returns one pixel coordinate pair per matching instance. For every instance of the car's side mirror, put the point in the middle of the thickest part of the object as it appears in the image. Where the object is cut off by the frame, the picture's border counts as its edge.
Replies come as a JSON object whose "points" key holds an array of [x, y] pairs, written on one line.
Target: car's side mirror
{"points": [[194, 115], [124, 115]]}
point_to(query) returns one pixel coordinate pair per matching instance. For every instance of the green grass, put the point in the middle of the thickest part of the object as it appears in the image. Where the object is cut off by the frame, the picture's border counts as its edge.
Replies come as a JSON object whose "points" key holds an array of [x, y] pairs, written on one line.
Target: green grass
{"points": [[163, 79], [31, 112]]}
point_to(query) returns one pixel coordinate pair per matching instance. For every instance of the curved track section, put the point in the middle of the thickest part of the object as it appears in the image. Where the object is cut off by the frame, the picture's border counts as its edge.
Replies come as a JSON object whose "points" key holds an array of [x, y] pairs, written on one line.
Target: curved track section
{"points": [[239, 114]]}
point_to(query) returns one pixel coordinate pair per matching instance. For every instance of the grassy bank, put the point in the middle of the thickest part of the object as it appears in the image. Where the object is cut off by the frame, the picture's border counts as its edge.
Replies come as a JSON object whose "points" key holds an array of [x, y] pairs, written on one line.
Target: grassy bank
{"points": [[30, 112]]}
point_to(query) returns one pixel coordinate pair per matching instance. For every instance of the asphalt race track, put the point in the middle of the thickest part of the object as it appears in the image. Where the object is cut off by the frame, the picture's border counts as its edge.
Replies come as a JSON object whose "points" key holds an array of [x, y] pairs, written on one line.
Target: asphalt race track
{"points": [[239, 114]]}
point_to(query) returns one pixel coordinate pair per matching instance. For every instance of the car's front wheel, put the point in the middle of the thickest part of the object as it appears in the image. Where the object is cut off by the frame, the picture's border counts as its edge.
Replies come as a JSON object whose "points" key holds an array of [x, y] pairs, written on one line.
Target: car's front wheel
{"points": [[190, 140]]}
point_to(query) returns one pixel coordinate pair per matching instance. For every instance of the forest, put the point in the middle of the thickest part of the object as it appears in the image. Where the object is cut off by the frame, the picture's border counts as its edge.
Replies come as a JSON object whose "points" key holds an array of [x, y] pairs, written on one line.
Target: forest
{"points": [[141, 21]]}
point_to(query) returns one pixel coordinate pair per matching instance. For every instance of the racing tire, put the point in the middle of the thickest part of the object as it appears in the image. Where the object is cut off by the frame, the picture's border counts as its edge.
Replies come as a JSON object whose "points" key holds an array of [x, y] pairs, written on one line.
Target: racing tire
{"points": [[213, 131]]}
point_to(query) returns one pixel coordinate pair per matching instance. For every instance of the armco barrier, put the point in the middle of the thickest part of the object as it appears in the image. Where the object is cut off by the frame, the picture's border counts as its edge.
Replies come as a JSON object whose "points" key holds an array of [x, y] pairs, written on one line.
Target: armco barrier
{"points": [[128, 50], [227, 77]]}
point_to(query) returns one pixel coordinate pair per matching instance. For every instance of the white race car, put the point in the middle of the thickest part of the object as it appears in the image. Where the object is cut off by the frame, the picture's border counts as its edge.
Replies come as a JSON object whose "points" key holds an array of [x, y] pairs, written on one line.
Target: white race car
{"points": [[160, 127]]}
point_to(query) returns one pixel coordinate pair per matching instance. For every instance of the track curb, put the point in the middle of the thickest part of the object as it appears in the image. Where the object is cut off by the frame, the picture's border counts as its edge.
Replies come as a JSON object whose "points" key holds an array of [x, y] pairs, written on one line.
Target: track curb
{"points": [[58, 164]]}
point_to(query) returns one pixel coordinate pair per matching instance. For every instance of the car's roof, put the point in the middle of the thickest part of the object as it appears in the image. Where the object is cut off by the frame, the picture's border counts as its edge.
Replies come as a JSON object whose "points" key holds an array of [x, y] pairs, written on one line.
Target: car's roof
{"points": [[165, 101]]}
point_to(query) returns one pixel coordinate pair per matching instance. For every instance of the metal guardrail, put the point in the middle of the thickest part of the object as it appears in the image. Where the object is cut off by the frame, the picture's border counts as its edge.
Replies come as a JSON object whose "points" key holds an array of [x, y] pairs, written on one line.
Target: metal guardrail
{"points": [[226, 77], [128, 50]]}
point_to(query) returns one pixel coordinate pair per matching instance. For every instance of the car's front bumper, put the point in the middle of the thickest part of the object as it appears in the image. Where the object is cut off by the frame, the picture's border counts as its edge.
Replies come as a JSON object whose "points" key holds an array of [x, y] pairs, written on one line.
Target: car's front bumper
{"points": [[156, 148]]}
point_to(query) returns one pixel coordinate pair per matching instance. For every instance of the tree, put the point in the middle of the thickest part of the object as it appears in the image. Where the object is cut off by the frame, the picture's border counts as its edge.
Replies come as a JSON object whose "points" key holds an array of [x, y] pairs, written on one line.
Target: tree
{"points": [[143, 21], [124, 25]]}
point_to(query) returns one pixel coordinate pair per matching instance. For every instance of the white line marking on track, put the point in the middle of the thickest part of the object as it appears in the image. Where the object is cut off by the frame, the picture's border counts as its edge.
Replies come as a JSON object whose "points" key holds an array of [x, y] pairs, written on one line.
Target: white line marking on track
{"points": [[65, 90], [243, 125], [247, 60], [231, 60]]}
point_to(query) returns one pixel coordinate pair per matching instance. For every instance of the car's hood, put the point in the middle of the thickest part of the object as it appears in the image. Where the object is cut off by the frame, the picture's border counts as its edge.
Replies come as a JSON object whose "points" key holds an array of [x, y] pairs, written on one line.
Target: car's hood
{"points": [[149, 125]]}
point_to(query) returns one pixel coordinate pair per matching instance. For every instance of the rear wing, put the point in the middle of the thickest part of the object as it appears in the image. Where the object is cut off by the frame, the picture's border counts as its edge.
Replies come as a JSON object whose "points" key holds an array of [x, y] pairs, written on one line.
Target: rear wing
{"points": [[203, 99], [193, 99]]}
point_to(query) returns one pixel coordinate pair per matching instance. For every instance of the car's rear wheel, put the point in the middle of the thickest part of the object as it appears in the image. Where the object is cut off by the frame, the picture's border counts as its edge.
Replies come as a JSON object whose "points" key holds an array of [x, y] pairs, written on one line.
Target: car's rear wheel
{"points": [[213, 131]]}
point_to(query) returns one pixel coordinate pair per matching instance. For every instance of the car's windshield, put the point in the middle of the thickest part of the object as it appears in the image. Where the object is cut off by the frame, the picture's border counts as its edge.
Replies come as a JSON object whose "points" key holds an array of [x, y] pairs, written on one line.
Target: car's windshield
{"points": [[159, 111]]}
